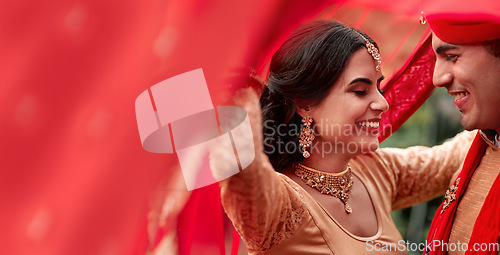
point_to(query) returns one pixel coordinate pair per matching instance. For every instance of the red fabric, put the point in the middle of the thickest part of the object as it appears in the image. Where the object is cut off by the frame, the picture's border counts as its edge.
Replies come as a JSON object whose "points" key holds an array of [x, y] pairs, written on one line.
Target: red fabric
{"points": [[236, 243], [73, 177], [408, 89], [439, 232], [200, 229], [487, 227], [464, 21]]}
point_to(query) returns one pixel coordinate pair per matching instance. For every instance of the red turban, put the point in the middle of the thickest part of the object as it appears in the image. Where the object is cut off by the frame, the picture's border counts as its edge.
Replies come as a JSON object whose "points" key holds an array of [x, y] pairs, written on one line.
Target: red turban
{"points": [[464, 21]]}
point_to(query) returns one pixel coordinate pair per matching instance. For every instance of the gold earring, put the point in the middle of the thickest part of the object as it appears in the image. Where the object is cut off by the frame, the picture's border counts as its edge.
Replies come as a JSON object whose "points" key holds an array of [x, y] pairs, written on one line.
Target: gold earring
{"points": [[306, 136]]}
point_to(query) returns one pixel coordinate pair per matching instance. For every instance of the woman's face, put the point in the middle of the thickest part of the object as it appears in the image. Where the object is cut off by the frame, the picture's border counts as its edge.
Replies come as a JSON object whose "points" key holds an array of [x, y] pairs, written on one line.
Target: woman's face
{"points": [[347, 120]]}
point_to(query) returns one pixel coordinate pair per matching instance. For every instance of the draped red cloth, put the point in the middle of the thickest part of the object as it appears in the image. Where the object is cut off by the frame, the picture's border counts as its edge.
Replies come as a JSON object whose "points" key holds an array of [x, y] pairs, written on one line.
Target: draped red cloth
{"points": [[408, 89], [73, 176], [487, 226], [441, 224]]}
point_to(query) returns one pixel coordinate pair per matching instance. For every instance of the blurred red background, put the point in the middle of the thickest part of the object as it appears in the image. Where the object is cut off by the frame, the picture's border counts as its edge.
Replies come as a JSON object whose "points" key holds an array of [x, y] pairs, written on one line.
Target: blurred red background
{"points": [[74, 178]]}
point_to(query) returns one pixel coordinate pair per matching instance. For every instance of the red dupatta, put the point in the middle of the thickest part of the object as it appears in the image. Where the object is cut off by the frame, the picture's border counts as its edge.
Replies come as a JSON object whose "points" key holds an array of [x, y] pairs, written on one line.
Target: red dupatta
{"points": [[74, 178], [487, 227], [439, 232]]}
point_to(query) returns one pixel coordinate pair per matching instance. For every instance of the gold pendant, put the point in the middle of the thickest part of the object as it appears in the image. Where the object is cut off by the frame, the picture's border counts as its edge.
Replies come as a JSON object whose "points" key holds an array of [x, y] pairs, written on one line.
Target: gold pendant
{"points": [[347, 208]]}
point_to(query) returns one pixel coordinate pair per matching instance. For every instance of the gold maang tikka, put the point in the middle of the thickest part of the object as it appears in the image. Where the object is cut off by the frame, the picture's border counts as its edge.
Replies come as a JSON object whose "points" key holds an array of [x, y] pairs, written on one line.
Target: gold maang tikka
{"points": [[372, 50], [306, 136], [338, 185]]}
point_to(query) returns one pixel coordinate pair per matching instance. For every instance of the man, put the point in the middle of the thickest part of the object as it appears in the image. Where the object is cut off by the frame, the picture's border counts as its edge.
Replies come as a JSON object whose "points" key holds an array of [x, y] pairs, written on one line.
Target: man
{"points": [[467, 48]]}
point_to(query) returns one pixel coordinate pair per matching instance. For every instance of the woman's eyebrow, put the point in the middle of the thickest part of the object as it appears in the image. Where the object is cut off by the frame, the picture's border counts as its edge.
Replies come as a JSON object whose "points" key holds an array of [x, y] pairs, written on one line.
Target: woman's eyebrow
{"points": [[364, 80]]}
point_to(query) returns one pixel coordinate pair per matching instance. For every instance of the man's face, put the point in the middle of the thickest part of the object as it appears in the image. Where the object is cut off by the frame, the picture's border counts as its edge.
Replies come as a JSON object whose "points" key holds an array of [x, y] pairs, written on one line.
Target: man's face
{"points": [[472, 76]]}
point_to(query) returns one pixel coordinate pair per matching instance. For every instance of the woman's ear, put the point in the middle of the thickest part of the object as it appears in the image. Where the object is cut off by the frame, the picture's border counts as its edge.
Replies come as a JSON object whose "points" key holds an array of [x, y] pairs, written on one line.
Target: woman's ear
{"points": [[303, 110]]}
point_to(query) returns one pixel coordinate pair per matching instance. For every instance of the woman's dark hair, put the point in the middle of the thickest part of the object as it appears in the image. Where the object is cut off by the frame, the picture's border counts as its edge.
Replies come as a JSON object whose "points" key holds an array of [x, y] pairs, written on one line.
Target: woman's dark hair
{"points": [[302, 71]]}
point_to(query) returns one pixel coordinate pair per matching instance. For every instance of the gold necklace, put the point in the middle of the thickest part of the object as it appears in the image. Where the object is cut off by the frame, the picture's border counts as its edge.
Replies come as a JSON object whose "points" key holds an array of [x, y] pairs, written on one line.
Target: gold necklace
{"points": [[338, 185]]}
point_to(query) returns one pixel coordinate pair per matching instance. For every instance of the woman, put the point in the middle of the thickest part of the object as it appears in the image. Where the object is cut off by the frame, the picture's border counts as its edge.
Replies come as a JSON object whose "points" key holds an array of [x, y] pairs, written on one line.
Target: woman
{"points": [[324, 189]]}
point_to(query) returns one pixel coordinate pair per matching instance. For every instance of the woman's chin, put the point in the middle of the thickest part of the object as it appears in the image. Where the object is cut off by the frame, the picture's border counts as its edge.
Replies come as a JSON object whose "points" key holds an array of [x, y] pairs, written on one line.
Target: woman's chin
{"points": [[373, 147], [370, 146]]}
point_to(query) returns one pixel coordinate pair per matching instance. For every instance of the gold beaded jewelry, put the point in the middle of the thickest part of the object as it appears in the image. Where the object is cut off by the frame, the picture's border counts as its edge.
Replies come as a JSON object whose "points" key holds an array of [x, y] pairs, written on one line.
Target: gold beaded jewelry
{"points": [[372, 50], [306, 136], [338, 185]]}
